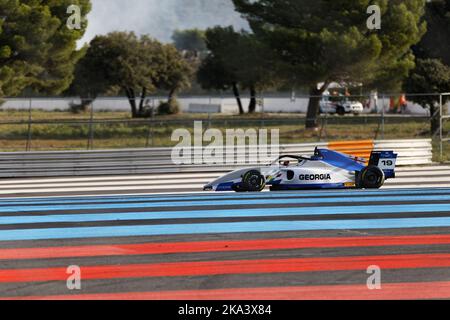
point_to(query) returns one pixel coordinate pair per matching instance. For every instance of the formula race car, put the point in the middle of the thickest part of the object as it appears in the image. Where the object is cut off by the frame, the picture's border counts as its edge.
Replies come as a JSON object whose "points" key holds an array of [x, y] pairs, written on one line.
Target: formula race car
{"points": [[327, 169]]}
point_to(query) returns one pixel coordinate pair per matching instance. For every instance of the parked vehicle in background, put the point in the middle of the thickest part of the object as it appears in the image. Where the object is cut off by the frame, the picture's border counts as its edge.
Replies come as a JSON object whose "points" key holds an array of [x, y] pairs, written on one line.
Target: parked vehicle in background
{"points": [[337, 99], [340, 105]]}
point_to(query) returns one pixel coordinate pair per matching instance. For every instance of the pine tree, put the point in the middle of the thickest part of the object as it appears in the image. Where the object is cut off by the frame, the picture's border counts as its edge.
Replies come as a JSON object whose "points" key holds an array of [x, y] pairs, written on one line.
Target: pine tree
{"points": [[37, 50], [328, 40]]}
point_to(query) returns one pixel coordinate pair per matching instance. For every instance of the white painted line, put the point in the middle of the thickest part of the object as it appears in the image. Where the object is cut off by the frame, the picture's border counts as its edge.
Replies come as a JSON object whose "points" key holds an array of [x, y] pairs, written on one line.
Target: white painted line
{"points": [[104, 184], [94, 189], [426, 168], [415, 186], [427, 174], [421, 179], [112, 178], [178, 187], [112, 195]]}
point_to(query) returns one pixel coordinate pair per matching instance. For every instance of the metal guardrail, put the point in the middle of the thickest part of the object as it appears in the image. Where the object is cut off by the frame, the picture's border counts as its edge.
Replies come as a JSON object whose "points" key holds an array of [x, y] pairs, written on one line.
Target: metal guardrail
{"points": [[158, 160]]}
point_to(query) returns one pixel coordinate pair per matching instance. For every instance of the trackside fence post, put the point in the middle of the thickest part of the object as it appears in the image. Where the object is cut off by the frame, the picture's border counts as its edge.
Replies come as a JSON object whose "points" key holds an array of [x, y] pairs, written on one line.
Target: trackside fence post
{"points": [[441, 128], [444, 116], [30, 119], [383, 110], [149, 134], [91, 129], [323, 129]]}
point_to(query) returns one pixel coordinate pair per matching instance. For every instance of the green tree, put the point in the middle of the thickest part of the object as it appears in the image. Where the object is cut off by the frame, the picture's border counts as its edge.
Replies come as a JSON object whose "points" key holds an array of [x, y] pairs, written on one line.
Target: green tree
{"points": [[436, 42], [117, 61], [237, 60], [212, 75], [173, 72], [136, 66], [192, 40], [37, 49], [433, 77], [432, 72], [328, 40]]}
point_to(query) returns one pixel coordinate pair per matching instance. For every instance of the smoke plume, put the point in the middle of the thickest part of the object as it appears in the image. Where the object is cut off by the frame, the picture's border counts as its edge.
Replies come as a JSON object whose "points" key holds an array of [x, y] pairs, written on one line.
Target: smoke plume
{"points": [[159, 18]]}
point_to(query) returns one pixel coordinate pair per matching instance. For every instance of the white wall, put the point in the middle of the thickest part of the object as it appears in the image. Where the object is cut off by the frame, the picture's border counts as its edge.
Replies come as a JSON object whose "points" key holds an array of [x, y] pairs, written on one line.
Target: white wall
{"points": [[229, 105]]}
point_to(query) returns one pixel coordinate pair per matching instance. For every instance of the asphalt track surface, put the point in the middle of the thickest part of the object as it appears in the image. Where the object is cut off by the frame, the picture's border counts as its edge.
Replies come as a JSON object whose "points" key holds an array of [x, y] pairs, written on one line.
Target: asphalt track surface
{"points": [[287, 245]]}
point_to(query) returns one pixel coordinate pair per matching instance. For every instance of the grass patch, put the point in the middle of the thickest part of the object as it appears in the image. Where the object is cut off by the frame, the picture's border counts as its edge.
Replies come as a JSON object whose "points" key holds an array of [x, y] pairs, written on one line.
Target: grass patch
{"points": [[54, 135]]}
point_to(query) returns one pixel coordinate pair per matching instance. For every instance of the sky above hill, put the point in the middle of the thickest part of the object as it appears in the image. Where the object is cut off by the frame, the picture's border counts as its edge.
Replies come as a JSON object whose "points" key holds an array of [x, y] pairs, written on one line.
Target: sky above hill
{"points": [[159, 18]]}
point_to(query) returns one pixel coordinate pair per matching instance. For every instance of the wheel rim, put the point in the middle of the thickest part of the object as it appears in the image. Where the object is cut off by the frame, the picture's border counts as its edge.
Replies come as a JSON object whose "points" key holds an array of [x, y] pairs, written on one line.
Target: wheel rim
{"points": [[254, 182], [373, 179]]}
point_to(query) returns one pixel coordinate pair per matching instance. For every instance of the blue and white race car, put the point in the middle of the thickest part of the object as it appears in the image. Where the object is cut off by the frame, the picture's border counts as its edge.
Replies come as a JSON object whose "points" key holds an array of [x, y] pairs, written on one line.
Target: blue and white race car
{"points": [[327, 169]]}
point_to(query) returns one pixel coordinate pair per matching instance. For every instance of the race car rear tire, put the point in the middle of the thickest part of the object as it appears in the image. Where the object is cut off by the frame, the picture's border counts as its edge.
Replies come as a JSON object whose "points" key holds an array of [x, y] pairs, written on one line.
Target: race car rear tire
{"points": [[371, 177], [340, 111], [253, 181]]}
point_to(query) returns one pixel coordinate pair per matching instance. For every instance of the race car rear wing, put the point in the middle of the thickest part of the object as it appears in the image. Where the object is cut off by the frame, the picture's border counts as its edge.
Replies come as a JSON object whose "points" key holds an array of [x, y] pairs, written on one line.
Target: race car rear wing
{"points": [[386, 161]]}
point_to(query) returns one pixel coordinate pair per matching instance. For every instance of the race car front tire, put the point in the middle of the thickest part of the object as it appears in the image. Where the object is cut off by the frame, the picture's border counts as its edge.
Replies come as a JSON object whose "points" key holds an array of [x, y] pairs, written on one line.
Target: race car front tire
{"points": [[371, 177], [253, 181]]}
